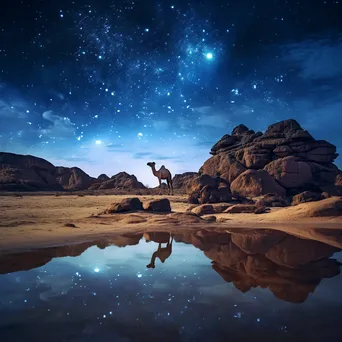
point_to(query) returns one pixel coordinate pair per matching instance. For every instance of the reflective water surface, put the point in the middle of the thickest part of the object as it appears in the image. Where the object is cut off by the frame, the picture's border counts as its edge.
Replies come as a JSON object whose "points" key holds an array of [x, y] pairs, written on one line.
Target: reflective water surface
{"points": [[259, 285]]}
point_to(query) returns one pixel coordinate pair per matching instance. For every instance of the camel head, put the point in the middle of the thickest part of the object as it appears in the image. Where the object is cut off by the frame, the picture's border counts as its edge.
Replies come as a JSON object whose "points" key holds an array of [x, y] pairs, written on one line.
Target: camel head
{"points": [[151, 164]]}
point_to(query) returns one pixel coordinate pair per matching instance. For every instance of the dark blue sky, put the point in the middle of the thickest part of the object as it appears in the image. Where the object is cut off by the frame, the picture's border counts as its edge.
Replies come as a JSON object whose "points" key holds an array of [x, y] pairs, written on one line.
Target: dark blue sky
{"points": [[110, 85]]}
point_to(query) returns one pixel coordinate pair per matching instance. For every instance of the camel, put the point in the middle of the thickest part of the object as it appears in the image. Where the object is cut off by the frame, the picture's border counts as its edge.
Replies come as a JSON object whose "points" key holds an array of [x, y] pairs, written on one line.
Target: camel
{"points": [[162, 173], [162, 253]]}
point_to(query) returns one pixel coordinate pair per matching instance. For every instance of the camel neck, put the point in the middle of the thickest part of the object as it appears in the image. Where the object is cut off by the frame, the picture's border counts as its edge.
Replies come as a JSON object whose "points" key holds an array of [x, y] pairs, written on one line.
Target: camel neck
{"points": [[154, 171]]}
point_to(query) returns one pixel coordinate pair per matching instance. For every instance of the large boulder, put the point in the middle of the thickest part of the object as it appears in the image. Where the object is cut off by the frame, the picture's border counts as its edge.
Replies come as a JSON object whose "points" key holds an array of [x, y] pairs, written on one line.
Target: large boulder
{"points": [[127, 204], [205, 209], [224, 165], [290, 172], [215, 195], [199, 182], [73, 178], [254, 183], [323, 174], [287, 129], [320, 152], [159, 205]]}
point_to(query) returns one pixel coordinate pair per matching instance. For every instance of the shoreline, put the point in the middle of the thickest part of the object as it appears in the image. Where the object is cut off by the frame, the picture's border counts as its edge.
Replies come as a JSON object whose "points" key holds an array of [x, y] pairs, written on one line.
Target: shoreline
{"points": [[35, 222]]}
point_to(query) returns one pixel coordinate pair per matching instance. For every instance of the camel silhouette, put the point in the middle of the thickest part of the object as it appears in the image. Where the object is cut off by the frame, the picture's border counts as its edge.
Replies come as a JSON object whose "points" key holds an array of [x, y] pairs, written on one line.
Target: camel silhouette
{"points": [[162, 253], [162, 173]]}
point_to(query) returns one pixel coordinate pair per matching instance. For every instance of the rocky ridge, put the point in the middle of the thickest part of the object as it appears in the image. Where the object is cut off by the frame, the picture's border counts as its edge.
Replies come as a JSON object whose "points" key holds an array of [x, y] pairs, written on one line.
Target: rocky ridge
{"points": [[284, 161], [29, 173]]}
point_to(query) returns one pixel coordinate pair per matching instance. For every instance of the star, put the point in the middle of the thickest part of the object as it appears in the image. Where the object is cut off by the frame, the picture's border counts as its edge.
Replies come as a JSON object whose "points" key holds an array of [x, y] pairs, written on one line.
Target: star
{"points": [[209, 55]]}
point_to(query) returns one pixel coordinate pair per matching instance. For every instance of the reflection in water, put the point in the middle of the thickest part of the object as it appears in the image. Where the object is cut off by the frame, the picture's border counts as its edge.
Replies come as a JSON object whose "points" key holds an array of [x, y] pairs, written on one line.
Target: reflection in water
{"points": [[216, 291], [162, 252], [289, 266]]}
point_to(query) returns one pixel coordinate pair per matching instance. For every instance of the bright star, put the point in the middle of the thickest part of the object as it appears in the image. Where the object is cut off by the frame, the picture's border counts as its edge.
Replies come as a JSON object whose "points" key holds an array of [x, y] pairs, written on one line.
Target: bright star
{"points": [[98, 142], [209, 55], [97, 270]]}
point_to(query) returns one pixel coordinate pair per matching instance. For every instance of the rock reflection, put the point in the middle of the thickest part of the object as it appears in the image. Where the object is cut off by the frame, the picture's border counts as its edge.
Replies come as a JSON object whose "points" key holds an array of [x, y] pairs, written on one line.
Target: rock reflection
{"points": [[24, 261], [290, 267]]}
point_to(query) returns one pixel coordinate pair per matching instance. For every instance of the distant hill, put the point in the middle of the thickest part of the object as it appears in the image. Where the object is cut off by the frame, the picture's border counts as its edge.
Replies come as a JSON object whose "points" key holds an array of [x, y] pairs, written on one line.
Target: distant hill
{"points": [[29, 173]]}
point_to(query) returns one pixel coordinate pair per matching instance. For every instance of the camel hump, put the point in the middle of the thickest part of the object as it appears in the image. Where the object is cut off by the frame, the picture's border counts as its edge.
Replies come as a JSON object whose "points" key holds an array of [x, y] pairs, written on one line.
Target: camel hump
{"points": [[163, 167]]}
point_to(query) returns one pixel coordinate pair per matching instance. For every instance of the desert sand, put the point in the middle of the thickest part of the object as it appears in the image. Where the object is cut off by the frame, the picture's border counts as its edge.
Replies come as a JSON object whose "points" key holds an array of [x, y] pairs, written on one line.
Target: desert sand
{"points": [[38, 221]]}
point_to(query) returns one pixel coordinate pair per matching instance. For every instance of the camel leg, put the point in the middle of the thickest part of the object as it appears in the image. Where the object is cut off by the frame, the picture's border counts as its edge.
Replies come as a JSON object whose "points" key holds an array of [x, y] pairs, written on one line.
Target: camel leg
{"points": [[171, 185], [160, 188], [152, 264], [168, 185]]}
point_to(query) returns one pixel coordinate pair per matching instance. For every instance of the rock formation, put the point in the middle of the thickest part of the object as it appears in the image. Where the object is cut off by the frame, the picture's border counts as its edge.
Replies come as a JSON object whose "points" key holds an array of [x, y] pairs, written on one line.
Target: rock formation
{"points": [[159, 205], [127, 204], [29, 173], [180, 181], [26, 173], [286, 160], [122, 180], [73, 178]]}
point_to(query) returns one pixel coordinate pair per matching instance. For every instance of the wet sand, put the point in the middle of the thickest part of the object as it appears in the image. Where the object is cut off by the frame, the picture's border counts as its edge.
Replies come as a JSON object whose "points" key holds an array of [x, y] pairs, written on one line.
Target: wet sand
{"points": [[38, 221]]}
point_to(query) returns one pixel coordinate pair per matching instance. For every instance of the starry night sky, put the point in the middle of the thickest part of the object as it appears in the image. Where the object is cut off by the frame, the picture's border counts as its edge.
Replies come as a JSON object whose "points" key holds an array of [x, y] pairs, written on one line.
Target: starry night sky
{"points": [[110, 85]]}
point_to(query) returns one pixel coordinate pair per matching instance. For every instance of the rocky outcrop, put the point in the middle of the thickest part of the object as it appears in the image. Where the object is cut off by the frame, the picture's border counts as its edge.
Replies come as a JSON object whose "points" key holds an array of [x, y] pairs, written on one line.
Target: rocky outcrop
{"points": [[254, 183], [224, 165], [199, 182], [285, 160], [206, 189], [27, 173], [204, 209], [121, 180], [271, 200], [73, 178], [127, 204], [241, 208], [290, 172], [103, 177], [306, 196], [161, 205], [180, 181]]}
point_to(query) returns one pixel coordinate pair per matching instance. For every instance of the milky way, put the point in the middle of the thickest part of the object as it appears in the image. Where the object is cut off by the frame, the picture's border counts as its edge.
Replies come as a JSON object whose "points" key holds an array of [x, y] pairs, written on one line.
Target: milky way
{"points": [[110, 85]]}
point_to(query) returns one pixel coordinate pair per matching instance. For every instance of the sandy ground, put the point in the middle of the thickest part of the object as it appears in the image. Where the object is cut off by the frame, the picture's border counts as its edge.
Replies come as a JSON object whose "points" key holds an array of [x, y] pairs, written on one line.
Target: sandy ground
{"points": [[38, 221]]}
